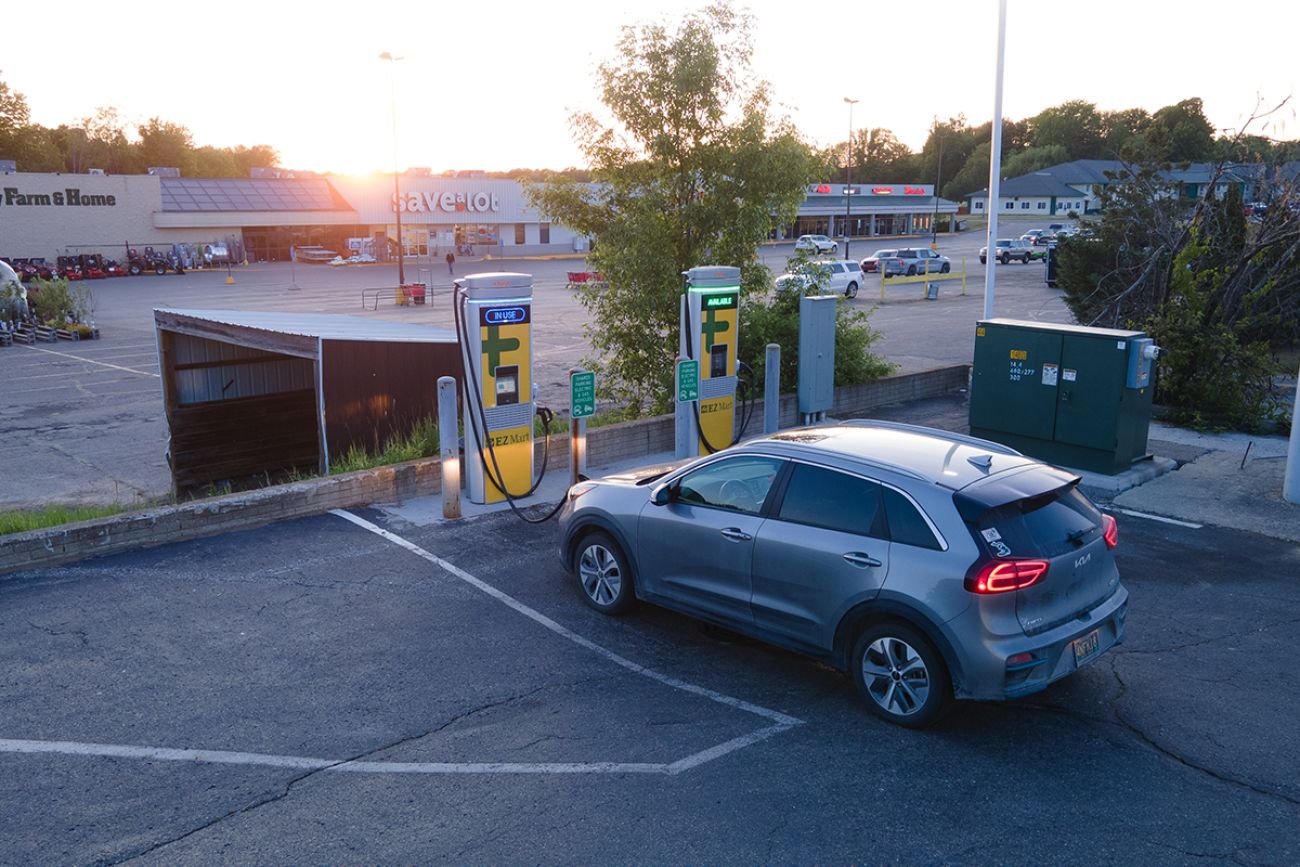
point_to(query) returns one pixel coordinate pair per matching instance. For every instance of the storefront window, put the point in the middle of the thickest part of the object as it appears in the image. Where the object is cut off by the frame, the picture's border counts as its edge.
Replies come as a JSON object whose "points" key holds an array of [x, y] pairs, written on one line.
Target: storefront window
{"points": [[544, 233]]}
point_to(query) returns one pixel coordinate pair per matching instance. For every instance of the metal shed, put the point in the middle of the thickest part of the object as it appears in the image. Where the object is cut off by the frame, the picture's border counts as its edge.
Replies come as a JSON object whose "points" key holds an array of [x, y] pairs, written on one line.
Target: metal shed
{"points": [[248, 393]]}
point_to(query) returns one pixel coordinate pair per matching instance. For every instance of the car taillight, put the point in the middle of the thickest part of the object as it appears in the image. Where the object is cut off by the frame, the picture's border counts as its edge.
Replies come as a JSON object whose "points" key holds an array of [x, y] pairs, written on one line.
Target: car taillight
{"points": [[1110, 531], [1003, 576]]}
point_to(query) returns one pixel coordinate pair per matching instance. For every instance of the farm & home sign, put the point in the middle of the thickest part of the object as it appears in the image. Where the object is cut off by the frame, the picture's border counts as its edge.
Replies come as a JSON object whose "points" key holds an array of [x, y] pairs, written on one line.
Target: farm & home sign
{"points": [[69, 197]]}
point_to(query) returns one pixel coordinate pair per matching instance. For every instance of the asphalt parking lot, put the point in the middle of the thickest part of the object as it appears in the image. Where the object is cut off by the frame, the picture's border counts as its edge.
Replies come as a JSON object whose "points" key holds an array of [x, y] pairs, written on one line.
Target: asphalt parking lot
{"points": [[354, 688], [82, 422]]}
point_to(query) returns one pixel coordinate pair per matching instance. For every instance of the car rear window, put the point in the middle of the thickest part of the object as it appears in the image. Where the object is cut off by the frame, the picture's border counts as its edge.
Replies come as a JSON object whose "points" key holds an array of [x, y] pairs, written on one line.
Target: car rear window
{"points": [[836, 501], [1048, 525]]}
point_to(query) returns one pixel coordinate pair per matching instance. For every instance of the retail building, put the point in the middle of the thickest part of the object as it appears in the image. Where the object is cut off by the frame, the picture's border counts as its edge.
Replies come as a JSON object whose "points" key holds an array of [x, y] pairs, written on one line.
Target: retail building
{"points": [[263, 218]]}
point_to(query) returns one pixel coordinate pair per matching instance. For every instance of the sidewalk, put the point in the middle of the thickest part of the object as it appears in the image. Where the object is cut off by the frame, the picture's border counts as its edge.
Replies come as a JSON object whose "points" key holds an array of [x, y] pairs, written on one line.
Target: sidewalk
{"points": [[1196, 478]]}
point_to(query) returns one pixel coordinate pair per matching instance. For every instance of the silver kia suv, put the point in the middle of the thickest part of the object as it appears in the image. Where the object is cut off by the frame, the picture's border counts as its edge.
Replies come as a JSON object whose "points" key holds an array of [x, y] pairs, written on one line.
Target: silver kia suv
{"points": [[926, 565]]}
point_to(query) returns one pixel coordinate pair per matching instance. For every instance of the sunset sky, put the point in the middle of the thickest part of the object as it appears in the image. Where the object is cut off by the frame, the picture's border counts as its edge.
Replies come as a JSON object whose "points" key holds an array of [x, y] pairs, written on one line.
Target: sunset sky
{"points": [[491, 85]]}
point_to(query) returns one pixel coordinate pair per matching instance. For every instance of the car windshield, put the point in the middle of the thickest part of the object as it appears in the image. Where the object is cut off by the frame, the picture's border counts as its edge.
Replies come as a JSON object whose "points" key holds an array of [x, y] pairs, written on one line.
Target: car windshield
{"points": [[884, 254]]}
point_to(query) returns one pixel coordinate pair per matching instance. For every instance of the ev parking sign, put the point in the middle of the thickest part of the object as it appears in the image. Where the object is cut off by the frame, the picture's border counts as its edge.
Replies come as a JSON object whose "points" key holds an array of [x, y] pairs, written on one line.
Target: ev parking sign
{"points": [[688, 380], [582, 394]]}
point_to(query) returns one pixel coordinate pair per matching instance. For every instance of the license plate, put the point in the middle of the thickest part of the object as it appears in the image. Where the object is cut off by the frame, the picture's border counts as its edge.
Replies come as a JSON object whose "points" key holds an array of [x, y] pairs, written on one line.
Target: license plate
{"points": [[1086, 646]]}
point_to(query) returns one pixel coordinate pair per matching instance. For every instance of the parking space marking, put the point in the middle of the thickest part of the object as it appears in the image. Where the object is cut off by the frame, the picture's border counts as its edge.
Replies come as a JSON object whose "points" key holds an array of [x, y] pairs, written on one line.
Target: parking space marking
{"points": [[780, 722], [85, 360], [537, 616], [1161, 518]]}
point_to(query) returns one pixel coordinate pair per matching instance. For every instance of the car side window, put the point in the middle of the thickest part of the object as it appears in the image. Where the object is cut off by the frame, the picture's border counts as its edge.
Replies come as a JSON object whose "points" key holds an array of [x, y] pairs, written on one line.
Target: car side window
{"points": [[833, 500], [906, 526], [739, 484]]}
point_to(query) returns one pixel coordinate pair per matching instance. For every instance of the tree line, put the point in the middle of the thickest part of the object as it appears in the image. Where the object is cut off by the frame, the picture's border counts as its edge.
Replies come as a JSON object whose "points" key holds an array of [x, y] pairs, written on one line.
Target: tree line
{"points": [[957, 154], [105, 140]]}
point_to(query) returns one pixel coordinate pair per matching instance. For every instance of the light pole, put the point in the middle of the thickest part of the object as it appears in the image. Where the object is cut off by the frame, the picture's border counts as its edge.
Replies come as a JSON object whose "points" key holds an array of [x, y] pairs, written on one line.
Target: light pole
{"points": [[938, 174], [848, 176], [397, 190]]}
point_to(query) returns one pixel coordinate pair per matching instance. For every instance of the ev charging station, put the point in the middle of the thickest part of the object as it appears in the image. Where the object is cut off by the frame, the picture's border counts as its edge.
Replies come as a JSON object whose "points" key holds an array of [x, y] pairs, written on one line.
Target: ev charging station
{"points": [[710, 332], [494, 321]]}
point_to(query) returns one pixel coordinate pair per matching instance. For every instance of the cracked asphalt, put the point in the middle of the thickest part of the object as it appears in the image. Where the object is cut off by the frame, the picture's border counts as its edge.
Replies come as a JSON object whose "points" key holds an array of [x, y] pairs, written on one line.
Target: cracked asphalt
{"points": [[315, 638]]}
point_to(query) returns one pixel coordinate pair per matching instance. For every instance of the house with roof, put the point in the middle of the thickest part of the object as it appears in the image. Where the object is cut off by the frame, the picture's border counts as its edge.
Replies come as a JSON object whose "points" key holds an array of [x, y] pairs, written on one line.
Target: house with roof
{"points": [[1073, 187]]}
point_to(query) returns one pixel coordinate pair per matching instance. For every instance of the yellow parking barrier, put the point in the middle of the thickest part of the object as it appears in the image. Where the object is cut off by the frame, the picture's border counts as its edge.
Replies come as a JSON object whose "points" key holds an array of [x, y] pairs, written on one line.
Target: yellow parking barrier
{"points": [[924, 278]]}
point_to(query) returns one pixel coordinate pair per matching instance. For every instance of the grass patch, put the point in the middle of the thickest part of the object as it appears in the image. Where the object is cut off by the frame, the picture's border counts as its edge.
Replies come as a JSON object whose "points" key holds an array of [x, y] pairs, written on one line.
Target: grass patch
{"points": [[22, 520], [421, 442]]}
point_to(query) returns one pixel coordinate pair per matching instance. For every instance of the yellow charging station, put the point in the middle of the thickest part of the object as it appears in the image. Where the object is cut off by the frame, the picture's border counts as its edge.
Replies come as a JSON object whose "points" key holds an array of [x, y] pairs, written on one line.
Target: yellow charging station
{"points": [[710, 333], [496, 313]]}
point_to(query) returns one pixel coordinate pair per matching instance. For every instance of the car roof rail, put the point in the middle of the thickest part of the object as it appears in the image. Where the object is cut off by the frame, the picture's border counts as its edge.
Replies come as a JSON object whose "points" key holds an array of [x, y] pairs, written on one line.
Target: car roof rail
{"points": [[921, 429], [814, 454]]}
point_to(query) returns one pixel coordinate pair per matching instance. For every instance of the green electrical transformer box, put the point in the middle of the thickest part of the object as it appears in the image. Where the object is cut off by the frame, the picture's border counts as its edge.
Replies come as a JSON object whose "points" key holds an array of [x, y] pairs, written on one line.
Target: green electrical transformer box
{"points": [[1066, 394]]}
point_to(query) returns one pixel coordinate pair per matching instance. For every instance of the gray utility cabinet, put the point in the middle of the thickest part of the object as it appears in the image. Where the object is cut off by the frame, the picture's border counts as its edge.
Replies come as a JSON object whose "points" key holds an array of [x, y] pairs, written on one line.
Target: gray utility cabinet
{"points": [[1070, 395], [816, 388]]}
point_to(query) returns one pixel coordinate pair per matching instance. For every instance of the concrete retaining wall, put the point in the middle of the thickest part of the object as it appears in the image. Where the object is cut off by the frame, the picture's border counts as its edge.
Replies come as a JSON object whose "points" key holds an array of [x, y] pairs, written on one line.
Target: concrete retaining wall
{"points": [[606, 445]]}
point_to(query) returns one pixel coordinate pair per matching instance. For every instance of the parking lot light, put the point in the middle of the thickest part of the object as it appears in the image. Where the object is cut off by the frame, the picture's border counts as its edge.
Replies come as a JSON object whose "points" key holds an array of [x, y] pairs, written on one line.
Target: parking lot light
{"points": [[397, 190], [848, 175]]}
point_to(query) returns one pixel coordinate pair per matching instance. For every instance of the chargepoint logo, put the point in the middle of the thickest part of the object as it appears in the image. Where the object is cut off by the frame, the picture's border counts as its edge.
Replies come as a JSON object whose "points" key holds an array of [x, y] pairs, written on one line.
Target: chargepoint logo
{"points": [[70, 197], [452, 203]]}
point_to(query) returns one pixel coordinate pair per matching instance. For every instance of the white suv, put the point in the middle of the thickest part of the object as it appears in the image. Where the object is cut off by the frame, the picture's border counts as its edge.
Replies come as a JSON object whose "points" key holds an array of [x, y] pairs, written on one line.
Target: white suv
{"points": [[842, 276], [816, 243]]}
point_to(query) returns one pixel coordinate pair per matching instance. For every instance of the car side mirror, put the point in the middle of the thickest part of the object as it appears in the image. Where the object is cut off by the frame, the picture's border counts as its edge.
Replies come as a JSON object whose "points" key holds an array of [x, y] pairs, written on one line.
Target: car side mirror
{"points": [[662, 495]]}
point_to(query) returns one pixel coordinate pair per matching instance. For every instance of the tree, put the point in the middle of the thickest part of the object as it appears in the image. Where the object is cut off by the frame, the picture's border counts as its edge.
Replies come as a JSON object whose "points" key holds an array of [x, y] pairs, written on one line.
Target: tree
{"points": [[974, 173], [1123, 130], [1181, 132], [693, 174], [1034, 159], [166, 144], [1216, 292], [1074, 126]]}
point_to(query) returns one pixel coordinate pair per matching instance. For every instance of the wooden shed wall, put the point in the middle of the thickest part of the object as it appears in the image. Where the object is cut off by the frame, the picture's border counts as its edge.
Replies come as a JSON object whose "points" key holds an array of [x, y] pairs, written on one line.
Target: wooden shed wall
{"points": [[373, 390]]}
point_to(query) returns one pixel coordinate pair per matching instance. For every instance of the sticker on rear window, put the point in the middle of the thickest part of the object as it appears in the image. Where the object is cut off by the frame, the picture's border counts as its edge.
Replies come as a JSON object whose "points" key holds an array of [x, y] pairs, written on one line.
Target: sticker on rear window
{"points": [[1000, 549], [991, 534]]}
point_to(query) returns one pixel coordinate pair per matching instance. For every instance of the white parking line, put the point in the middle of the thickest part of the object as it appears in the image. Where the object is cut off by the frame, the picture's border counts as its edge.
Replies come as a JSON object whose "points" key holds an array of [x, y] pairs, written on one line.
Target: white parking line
{"points": [[1161, 518], [91, 361], [780, 722], [533, 614]]}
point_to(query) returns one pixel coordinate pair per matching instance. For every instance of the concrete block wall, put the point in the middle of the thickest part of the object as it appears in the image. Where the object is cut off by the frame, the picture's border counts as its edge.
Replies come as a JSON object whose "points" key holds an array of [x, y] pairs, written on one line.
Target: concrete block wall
{"points": [[605, 446]]}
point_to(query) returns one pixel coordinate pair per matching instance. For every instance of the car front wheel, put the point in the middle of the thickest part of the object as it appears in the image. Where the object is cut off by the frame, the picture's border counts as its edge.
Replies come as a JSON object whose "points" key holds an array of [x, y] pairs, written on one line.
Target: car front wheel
{"points": [[900, 675], [603, 574], [851, 290], [945, 268]]}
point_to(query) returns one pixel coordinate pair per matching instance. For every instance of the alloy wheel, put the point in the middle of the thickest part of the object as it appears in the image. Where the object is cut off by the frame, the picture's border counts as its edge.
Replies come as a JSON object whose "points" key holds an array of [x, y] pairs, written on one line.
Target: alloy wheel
{"points": [[895, 676], [601, 577]]}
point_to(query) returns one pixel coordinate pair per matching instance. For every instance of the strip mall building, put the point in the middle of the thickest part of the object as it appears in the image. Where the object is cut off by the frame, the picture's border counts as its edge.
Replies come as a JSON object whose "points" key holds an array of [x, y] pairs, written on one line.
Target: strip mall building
{"points": [[49, 215]]}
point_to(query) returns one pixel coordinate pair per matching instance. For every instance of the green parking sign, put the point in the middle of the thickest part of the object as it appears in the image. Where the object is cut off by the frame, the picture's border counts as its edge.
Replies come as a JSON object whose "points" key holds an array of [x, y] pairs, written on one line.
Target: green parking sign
{"points": [[582, 394], [688, 380]]}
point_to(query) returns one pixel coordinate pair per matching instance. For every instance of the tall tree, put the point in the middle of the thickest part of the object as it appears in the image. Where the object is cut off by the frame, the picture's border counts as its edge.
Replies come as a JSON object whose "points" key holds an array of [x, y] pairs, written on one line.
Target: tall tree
{"points": [[1074, 125], [691, 174], [1181, 132], [166, 144]]}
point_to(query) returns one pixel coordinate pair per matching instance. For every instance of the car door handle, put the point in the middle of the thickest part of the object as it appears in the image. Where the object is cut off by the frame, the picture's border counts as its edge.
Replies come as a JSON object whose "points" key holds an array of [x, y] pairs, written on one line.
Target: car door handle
{"points": [[857, 558], [736, 534]]}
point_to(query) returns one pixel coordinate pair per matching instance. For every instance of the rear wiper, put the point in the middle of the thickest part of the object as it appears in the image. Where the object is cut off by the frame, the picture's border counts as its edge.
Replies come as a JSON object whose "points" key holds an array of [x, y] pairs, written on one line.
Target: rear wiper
{"points": [[1076, 535]]}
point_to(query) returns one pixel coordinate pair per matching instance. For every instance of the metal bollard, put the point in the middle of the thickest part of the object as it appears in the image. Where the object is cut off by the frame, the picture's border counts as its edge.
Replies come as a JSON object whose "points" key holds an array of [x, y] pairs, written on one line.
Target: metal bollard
{"points": [[772, 389], [449, 447], [1291, 479]]}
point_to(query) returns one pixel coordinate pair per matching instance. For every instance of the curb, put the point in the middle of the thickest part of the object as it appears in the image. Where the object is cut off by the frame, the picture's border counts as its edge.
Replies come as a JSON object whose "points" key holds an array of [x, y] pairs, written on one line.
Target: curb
{"points": [[616, 443]]}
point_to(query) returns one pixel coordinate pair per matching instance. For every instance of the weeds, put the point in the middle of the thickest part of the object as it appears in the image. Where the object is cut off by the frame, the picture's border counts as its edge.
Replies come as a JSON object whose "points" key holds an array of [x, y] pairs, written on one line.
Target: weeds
{"points": [[421, 442], [22, 520]]}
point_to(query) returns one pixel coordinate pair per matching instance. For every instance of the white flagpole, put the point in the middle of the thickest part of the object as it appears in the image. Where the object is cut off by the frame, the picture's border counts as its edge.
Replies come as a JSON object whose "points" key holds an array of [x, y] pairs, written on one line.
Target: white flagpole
{"points": [[995, 167]]}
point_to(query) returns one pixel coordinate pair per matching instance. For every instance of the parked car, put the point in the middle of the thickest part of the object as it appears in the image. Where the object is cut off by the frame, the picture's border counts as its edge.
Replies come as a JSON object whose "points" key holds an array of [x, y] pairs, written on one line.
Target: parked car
{"points": [[816, 243], [1035, 237], [922, 260], [1008, 249], [926, 565], [886, 261], [842, 276]]}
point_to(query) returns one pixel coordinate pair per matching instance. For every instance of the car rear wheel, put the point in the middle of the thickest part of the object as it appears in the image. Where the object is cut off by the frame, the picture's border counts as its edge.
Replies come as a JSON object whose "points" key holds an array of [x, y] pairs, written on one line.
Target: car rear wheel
{"points": [[851, 290], [911, 270], [603, 574], [1004, 258], [900, 675]]}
